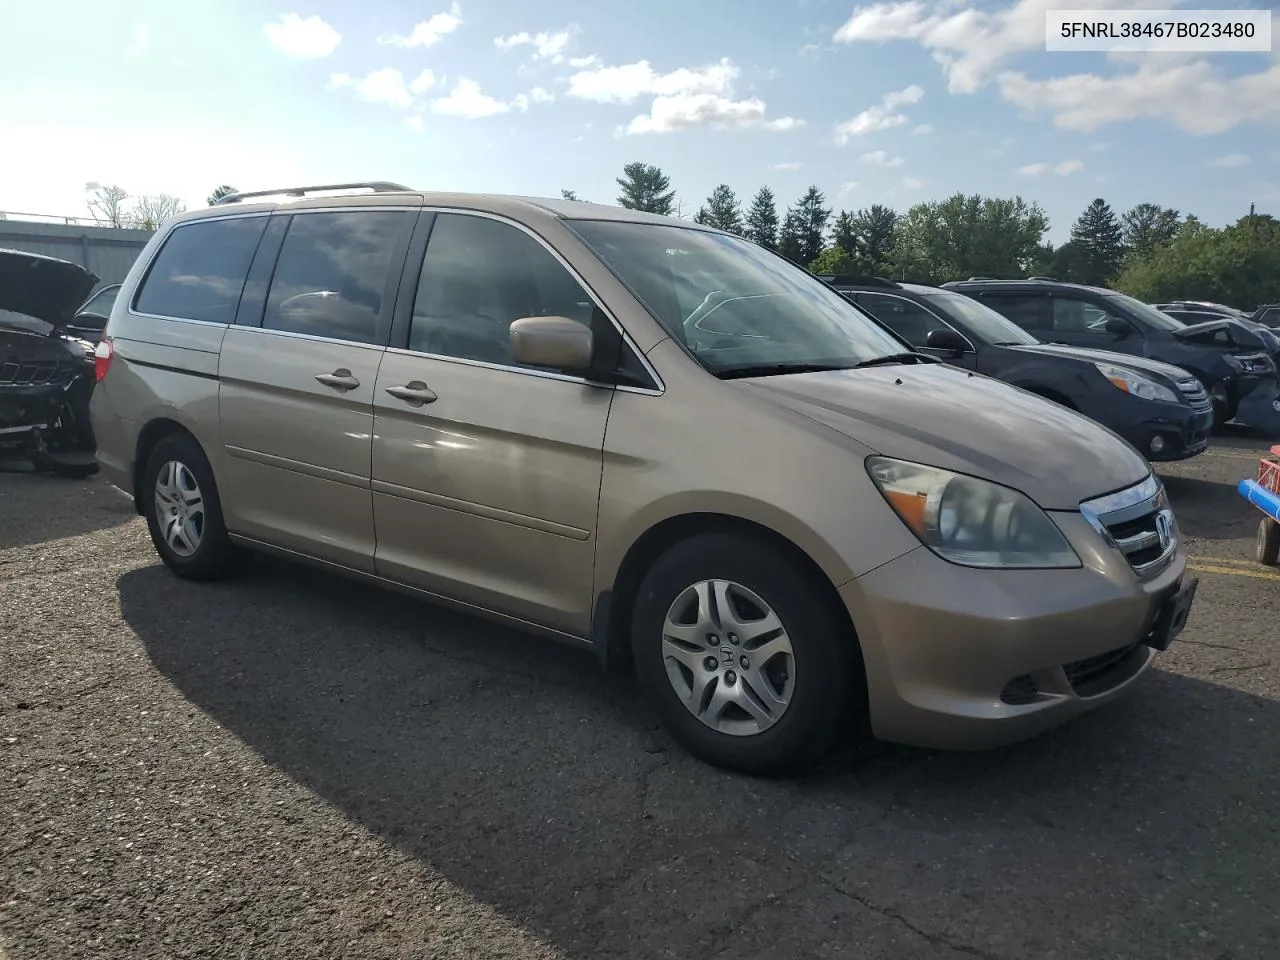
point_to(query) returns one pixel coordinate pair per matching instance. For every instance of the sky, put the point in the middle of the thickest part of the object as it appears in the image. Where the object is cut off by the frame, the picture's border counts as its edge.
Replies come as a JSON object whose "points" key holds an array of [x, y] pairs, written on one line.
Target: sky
{"points": [[889, 103]]}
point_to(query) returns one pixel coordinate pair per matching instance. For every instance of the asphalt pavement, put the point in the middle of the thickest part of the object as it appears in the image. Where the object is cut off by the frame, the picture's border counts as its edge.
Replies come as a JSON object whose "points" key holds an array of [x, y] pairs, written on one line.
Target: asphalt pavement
{"points": [[293, 765]]}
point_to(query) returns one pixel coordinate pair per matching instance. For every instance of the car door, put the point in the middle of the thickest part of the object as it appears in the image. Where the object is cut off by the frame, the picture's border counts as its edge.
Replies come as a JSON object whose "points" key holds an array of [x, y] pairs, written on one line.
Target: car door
{"points": [[914, 322], [486, 474], [297, 378]]}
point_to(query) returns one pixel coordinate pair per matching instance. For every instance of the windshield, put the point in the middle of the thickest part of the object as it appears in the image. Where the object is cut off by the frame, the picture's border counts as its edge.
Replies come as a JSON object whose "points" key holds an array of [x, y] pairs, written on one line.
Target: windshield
{"points": [[101, 302], [1147, 312], [979, 319], [732, 303]]}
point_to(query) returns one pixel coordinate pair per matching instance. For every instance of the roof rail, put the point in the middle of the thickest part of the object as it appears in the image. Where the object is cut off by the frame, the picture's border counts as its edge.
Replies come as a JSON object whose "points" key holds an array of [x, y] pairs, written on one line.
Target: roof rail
{"points": [[1046, 279], [377, 186], [971, 279], [849, 280]]}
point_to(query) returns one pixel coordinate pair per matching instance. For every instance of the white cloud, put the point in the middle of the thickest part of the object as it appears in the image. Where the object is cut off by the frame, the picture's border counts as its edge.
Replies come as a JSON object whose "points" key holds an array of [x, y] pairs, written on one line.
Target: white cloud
{"points": [[883, 116], [847, 188], [541, 95], [429, 32], [789, 165], [422, 82], [580, 62], [467, 100], [385, 86], [139, 41], [547, 44], [302, 39], [1230, 160], [879, 158], [415, 123], [1063, 169], [684, 98], [923, 129], [911, 183], [1099, 147]]}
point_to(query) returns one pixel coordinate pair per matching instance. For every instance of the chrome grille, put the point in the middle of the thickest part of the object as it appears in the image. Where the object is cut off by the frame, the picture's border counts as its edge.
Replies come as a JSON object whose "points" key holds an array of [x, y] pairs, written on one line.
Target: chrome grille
{"points": [[14, 373], [1137, 522], [1194, 393]]}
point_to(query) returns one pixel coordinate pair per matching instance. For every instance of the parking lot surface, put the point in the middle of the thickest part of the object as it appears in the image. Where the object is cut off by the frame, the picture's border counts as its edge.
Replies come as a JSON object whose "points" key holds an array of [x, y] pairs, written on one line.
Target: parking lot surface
{"points": [[295, 766]]}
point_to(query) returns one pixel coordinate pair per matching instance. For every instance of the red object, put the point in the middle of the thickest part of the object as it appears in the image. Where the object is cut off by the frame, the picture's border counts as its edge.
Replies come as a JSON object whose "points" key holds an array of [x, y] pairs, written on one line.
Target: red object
{"points": [[1269, 471], [102, 357]]}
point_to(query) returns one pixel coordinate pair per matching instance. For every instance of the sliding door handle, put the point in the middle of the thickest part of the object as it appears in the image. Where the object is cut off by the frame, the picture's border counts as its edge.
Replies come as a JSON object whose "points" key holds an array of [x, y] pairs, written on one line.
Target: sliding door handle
{"points": [[339, 379], [415, 393]]}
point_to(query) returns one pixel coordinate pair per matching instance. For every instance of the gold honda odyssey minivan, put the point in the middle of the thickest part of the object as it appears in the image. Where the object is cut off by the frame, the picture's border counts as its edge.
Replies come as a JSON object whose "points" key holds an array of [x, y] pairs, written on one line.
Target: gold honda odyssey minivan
{"points": [[643, 436]]}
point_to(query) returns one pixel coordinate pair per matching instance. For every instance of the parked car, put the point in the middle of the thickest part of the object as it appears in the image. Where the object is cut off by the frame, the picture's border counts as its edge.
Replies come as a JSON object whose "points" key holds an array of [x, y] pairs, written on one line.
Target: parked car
{"points": [[1192, 312], [1162, 410], [46, 373], [644, 437], [1268, 314], [1228, 359], [91, 317]]}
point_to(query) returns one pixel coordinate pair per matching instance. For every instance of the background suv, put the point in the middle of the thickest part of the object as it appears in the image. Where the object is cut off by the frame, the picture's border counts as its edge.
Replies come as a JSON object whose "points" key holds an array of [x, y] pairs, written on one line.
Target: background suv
{"points": [[1229, 360], [1160, 409]]}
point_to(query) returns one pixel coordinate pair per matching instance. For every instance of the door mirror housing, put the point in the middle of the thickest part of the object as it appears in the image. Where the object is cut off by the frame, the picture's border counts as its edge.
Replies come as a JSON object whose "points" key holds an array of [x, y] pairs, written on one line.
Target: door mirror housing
{"points": [[555, 342], [1118, 328], [947, 341]]}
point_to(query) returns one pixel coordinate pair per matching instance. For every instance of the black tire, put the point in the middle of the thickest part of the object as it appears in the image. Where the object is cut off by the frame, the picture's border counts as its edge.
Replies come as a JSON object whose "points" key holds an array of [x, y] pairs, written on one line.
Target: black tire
{"points": [[215, 557], [828, 704], [1267, 548]]}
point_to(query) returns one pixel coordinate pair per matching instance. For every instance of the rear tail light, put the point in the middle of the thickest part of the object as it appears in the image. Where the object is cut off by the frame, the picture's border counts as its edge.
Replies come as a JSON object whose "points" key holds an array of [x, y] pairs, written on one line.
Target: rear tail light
{"points": [[103, 354]]}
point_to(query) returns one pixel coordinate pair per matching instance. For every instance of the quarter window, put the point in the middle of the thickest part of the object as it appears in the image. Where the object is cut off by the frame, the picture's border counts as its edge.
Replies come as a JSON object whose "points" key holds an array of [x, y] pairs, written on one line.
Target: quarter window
{"points": [[200, 271], [332, 273], [478, 277]]}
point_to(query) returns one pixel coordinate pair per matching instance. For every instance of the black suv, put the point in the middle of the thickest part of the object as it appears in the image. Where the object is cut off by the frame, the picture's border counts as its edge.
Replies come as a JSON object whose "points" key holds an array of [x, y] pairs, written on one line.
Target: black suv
{"points": [[1268, 314], [1192, 312], [1226, 357], [1162, 410]]}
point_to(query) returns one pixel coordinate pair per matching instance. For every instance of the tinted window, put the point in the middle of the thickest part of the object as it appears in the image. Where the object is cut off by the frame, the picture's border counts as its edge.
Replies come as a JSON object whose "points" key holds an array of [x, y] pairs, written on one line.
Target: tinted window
{"points": [[977, 320], [102, 301], [1270, 317], [1030, 313], [332, 273], [481, 275], [200, 270], [908, 320], [1080, 317]]}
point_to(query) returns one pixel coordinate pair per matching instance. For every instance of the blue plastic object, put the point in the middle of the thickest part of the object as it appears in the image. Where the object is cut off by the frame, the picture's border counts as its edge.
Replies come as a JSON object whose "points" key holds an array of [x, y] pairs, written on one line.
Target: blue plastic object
{"points": [[1260, 497]]}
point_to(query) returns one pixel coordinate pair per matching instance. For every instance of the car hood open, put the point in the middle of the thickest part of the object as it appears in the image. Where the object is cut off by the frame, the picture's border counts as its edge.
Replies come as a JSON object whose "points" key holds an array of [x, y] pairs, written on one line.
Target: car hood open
{"points": [[1207, 332], [947, 417], [1088, 355], [43, 287]]}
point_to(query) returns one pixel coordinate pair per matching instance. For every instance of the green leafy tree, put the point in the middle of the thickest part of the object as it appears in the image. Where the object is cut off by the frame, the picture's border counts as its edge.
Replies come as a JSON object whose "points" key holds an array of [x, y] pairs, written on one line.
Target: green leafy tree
{"points": [[762, 219], [965, 236], [1099, 236], [645, 187], [834, 260], [1148, 226], [1239, 265], [723, 210], [219, 192], [813, 218]]}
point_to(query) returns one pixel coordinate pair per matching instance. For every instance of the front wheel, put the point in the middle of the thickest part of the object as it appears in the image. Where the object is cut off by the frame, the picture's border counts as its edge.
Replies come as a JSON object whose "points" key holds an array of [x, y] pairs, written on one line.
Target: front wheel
{"points": [[1267, 546], [745, 660]]}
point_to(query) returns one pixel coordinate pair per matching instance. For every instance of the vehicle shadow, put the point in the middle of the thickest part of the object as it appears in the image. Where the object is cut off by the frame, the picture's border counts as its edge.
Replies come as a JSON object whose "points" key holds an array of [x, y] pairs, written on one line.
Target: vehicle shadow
{"points": [[39, 508], [516, 770], [1210, 509]]}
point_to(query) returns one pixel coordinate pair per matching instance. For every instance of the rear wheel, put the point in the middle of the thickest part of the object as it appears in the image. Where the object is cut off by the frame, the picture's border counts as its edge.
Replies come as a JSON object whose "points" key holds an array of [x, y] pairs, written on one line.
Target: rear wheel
{"points": [[745, 660], [1267, 547], [184, 514]]}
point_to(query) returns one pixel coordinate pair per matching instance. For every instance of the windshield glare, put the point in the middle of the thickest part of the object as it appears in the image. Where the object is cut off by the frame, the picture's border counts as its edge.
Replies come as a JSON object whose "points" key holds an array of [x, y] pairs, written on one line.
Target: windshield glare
{"points": [[732, 303], [986, 325], [1147, 312]]}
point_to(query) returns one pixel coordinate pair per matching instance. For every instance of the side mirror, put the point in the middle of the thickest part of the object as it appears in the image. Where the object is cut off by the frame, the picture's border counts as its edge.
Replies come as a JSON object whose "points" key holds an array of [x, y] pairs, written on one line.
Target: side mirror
{"points": [[946, 340], [1117, 327], [556, 342]]}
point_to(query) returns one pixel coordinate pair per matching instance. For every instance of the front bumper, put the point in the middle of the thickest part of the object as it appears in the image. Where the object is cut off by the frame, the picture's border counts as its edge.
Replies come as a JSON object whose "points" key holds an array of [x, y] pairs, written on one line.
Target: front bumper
{"points": [[1183, 432], [948, 650]]}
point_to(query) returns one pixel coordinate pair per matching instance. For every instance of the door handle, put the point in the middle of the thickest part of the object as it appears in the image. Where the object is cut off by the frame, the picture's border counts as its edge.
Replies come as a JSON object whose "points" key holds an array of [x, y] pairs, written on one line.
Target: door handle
{"points": [[339, 379], [415, 393]]}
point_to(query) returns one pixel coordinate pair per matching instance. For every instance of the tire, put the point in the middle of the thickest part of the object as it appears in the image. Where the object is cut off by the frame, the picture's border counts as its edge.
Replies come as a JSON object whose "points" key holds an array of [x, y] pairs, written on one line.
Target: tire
{"points": [[201, 550], [821, 681], [1267, 548]]}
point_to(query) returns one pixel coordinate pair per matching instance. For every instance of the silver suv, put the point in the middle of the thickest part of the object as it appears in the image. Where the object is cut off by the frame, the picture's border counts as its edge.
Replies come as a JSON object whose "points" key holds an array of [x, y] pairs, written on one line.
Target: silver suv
{"points": [[643, 437]]}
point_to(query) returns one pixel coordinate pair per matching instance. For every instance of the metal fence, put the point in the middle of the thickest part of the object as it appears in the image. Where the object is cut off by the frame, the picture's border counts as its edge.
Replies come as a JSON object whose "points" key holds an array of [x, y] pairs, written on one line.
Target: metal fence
{"points": [[107, 251]]}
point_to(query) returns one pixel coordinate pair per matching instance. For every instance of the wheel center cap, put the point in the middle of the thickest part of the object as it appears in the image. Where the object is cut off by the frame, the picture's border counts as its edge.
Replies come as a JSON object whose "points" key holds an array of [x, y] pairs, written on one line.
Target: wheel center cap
{"points": [[726, 654]]}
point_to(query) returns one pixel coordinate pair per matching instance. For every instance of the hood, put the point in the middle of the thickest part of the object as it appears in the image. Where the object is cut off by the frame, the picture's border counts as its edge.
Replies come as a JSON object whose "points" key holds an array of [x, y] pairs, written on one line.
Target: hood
{"points": [[1212, 330], [1107, 356], [947, 417], [42, 287]]}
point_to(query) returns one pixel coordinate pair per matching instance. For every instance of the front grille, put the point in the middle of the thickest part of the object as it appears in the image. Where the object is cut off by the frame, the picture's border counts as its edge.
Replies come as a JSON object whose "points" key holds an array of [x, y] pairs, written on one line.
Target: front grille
{"points": [[1194, 393], [40, 373], [1090, 676], [1137, 522]]}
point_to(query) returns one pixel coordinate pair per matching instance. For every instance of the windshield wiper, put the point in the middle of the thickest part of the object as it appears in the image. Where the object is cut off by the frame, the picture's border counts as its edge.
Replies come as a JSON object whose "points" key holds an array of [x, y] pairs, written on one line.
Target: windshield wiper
{"points": [[778, 369], [889, 358]]}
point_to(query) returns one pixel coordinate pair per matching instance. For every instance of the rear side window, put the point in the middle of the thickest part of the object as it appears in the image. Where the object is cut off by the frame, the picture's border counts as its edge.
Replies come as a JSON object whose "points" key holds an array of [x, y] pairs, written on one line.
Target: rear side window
{"points": [[332, 273], [1030, 313], [200, 271]]}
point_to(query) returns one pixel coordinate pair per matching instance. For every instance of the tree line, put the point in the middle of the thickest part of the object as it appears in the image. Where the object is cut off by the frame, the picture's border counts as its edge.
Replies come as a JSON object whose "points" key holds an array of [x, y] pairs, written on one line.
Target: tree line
{"points": [[1150, 251]]}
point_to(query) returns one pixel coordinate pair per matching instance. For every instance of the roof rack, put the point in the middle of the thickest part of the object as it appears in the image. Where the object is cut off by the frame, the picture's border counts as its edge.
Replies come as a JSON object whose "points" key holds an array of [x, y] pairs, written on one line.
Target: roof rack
{"points": [[971, 279], [377, 186], [848, 280], [1046, 279]]}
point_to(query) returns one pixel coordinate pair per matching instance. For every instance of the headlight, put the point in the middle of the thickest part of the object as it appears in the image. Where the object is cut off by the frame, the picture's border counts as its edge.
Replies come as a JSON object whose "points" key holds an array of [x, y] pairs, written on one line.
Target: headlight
{"points": [[968, 521], [1130, 381]]}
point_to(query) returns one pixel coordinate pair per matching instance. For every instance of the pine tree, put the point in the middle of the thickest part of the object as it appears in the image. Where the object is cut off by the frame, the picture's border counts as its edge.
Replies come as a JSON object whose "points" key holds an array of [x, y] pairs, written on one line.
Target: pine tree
{"points": [[876, 228], [762, 220], [645, 187], [703, 216], [568, 194], [1098, 236], [1149, 226], [813, 217], [723, 211], [844, 234], [791, 238]]}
